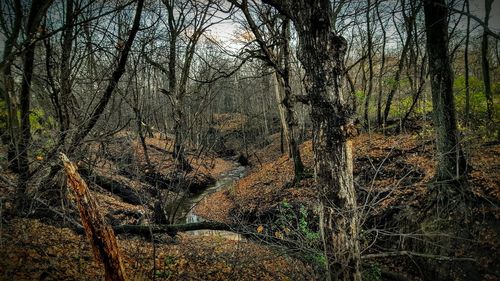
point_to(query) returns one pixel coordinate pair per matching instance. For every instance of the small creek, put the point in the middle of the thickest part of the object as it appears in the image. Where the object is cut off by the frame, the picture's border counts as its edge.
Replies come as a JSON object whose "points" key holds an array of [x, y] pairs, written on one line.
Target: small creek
{"points": [[226, 180]]}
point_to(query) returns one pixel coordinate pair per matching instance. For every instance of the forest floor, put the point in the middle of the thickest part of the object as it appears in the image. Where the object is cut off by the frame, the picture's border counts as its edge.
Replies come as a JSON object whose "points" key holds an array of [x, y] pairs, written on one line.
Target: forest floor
{"points": [[43, 249], [391, 174]]}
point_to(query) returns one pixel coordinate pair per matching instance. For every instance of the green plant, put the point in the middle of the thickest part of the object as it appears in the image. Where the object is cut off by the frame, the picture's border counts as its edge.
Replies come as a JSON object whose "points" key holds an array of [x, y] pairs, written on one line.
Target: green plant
{"points": [[360, 95], [3, 115], [311, 235], [296, 224], [163, 273], [372, 273], [169, 260]]}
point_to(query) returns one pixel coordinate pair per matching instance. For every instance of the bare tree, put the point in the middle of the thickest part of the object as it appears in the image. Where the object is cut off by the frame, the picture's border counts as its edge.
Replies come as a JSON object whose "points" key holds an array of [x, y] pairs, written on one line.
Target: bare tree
{"points": [[369, 47], [11, 28], [279, 59], [485, 61], [186, 23], [36, 13], [409, 20], [466, 66], [450, 159]]}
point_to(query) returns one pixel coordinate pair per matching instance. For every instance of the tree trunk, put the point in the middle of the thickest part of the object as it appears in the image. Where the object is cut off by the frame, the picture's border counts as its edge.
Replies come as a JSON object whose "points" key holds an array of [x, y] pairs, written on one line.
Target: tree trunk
{"points": [[142, 138], [289, 105], [37, 11], [7, 91], [466, 67], [281, 110], [65, 72], [382, 67], [486, 64], [370, 66], [321, 52], [450, 159], [100, 234]]}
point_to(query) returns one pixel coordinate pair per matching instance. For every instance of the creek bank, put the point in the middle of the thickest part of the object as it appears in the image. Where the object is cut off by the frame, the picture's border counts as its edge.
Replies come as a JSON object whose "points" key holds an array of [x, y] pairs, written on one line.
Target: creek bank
{"points": [[225, 181]]}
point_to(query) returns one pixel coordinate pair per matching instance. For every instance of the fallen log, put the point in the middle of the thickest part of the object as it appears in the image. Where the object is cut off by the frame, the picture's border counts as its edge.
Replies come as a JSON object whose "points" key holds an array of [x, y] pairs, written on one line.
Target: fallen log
{"points": [[101, 236], [145, 230], [126, 193], [170, 229]]}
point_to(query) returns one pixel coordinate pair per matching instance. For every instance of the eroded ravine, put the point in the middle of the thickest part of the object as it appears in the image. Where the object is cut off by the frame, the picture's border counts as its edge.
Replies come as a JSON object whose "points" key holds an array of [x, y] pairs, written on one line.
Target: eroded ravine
{"points": [[226, 180]]}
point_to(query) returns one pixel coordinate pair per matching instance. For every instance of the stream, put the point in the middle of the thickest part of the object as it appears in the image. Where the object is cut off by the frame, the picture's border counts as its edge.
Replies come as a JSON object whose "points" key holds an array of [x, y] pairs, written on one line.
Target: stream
{"points": [[226, 180]]}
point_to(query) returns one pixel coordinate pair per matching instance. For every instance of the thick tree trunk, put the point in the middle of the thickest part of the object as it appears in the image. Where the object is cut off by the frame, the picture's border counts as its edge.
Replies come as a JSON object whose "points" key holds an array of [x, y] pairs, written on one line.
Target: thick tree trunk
{"points": [[288, 123], [180, 130], [450, 160], [100, 234], [321, 52], [333, 161], [11, 137], [65, 69]]}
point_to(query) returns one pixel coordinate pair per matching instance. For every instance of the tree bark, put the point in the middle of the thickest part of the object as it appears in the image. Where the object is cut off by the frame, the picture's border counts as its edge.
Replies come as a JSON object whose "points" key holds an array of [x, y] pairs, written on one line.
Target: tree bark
{"points": [[450, 159], [321, 52], [100, 234]]}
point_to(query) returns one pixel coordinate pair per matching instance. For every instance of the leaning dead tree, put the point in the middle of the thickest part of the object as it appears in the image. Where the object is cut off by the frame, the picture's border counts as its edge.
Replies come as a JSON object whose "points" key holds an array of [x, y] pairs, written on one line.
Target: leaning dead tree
{"points": [[100, 234]]}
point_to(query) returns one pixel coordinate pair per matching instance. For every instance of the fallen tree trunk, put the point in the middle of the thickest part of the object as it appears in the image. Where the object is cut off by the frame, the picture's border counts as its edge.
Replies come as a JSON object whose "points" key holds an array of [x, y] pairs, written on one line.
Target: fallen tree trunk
{"points": [[100, 234], [145, 230], [170, 229], [173, 229], [124, 192]]}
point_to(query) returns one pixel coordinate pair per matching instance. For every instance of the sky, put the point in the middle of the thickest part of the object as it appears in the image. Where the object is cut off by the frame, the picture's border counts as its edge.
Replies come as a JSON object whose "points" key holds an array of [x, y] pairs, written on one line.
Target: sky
{"points": [[477, 9]]}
